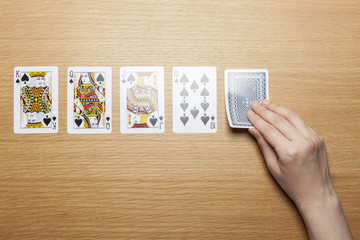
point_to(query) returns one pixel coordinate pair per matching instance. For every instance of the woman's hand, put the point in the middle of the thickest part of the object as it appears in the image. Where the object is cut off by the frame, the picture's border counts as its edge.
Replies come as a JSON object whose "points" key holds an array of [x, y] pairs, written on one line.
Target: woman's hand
{"points": [[296, 156]]}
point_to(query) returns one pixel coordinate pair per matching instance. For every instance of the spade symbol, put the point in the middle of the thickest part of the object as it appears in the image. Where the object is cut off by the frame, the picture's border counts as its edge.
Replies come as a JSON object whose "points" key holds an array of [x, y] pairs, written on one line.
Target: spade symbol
{"points": [[108, 118], [184, 106], [131, 78], [184, 119], [71, 81], [212, 118], [47, 120], [17, 81], [184, 79], [205, 105], [54, 118], [205, 119], [100, 78], [153, 120], [204, 79], [25, 78], [78, 121], [184, 93], [194, 112], [194, 86], [123, 81], [161, 118], [176, 80], [204, 92]]}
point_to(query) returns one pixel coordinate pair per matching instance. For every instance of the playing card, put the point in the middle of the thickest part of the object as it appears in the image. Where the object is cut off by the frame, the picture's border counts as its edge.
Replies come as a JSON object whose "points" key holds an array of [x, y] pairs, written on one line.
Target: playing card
{"points": [[36, 100], [242, 87], [89, 100], [194, 100], [142, 100]]}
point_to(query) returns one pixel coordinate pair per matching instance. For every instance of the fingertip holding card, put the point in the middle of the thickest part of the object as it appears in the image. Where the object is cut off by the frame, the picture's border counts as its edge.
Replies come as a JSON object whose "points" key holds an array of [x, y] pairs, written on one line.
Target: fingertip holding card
{"points": [[242, 87]]}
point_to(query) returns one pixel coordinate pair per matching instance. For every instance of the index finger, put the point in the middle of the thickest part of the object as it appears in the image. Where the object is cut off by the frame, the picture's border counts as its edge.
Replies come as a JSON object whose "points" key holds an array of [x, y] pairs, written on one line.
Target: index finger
{"points": [[270, 133]]}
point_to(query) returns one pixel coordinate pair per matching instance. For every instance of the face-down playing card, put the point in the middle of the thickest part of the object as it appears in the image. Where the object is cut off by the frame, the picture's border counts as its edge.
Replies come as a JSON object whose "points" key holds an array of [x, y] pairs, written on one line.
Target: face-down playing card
{"points": [[194, 100], [242, 87], [89, 100], [142, 100], [36, 100]]}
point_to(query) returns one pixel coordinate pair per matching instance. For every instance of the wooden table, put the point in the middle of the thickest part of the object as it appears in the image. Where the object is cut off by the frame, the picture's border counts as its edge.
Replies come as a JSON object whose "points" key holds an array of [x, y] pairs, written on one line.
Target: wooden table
{"points": [[176, 186]]}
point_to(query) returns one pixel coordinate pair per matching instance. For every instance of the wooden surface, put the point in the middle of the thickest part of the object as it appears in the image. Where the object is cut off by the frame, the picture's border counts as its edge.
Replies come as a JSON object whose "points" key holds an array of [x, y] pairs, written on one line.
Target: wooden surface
{"points": [[176, 186]]}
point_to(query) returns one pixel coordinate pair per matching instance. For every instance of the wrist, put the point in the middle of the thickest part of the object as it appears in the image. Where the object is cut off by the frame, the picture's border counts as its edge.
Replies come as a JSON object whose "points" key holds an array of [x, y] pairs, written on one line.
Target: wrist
{"points": [[321, 207], [325, 219], [326, 198]]}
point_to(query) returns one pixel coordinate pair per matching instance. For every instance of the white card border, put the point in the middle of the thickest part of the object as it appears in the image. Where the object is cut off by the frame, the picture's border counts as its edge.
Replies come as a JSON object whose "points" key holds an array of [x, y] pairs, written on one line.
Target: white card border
{"points": [[216, 96], [54, 99], [226, 72], [161, 100], [70, 100]]}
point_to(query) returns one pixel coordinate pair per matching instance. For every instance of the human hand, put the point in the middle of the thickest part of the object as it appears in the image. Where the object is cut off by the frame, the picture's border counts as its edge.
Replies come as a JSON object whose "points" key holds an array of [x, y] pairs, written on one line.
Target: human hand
{"points": [[294, 153]]}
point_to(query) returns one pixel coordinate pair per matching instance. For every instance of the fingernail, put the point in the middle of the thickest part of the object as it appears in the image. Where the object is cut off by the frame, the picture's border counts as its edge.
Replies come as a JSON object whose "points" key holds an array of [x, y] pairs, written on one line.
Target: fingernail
{"points": [[250, 112], [253, 131], [255, 103], [265, 102]]}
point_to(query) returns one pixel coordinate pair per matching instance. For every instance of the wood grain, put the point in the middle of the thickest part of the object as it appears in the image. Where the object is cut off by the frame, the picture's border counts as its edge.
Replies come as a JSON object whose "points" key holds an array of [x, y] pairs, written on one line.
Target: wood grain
{"points": [[173, 186]]}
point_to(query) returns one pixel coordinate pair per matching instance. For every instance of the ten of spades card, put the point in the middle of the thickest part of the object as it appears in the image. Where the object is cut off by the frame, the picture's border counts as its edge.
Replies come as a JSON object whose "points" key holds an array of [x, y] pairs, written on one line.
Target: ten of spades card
{"points": [[36, 100], [89, 100], [242, 87], [194, 100], [142, 100]]}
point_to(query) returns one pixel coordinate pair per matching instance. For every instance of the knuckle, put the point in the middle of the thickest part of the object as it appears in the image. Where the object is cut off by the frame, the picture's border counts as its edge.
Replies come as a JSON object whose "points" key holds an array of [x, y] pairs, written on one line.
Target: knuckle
{"points": [[277, 120], [292, 153], [292, 115], [305, 147], [262, 143], [317, 138], [320, 140], [272, 105], [309, 146]]}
